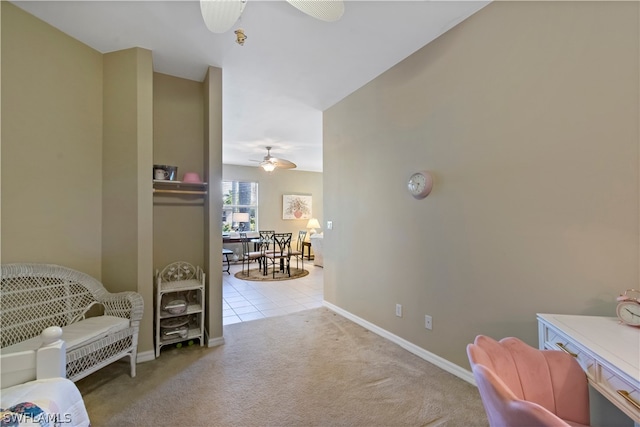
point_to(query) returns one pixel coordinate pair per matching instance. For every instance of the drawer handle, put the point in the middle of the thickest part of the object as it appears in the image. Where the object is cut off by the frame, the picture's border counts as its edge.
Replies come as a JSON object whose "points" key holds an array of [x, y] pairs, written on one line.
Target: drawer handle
{"points": [[628, 398], [563, 348]]}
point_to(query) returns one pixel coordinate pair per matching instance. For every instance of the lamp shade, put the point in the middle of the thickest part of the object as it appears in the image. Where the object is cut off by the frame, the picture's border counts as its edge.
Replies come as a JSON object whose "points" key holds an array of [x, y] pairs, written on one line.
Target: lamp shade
{"points": [[312, 224], [240, 217]]}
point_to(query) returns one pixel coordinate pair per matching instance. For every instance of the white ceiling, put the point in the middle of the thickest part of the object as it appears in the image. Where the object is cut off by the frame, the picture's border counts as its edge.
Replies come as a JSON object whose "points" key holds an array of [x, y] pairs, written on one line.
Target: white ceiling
{"points": [[290, 69]]}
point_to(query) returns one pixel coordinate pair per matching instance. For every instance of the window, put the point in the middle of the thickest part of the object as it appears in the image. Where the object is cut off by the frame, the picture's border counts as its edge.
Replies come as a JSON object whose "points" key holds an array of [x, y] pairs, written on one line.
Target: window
{"points": [[239, 198]]}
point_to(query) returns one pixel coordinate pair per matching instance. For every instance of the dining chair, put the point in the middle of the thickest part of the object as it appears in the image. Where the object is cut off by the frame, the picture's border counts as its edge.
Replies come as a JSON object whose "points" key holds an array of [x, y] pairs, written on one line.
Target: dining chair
{"points": [[522, 386], [266, 245], [266, 234], [249, 255], [298, 252], [280, 255]]}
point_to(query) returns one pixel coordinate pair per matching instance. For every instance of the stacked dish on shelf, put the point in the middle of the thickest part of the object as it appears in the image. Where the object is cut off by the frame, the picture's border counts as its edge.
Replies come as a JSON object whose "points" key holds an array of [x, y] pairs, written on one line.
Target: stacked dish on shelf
{"points": [[175, 327]]}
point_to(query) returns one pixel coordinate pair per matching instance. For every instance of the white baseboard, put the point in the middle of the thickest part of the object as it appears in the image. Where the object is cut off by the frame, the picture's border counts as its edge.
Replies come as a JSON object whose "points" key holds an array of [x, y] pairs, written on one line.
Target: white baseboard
{"points": [[213, 342], [146, 356], [418, 351]]}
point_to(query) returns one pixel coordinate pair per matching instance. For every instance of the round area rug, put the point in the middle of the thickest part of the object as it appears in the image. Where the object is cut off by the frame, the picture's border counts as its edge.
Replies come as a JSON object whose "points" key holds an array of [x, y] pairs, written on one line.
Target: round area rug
{"points": [[257, 276]]}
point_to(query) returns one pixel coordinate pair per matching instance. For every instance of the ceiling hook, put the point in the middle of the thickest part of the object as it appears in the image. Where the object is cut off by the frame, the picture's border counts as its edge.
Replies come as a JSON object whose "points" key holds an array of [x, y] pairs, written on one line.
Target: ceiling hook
{"points": [[240, 36]]}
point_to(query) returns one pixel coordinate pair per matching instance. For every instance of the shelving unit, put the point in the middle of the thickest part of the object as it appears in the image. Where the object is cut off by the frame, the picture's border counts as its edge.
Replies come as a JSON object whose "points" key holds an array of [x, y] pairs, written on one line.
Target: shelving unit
{"points": [[186, 133], [179, 187], [174, 323]]}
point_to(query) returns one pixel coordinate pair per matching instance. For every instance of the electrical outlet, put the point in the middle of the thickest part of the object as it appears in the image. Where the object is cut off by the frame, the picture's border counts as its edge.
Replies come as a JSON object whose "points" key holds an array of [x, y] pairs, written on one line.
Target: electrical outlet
{"points": [[399, 310], [428, 322]]}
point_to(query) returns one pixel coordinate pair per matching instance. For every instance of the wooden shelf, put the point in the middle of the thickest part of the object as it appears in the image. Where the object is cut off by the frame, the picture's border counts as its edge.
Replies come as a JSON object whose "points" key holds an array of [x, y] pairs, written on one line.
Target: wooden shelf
{"points": [[179, 187]]}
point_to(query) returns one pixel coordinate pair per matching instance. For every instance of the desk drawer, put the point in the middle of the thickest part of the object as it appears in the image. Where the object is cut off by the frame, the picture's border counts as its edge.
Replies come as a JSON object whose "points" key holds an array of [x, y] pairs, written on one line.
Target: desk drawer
{"points": [[606, 364], [554, 340], [625, 395]]}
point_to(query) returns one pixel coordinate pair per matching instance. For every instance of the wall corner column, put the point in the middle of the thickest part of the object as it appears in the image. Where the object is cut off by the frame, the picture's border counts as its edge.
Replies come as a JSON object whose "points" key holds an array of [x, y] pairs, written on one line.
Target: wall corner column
{"points": [[213, 205]]}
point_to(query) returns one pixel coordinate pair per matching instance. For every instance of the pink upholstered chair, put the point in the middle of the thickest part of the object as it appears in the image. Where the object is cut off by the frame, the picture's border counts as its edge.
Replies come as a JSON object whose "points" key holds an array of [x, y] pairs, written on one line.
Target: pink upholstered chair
{"points": [[523, 386]]}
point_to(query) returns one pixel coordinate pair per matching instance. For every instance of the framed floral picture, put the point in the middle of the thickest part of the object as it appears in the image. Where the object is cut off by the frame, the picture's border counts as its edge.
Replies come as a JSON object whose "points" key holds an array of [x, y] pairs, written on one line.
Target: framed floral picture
{"points": [[296, 207]]}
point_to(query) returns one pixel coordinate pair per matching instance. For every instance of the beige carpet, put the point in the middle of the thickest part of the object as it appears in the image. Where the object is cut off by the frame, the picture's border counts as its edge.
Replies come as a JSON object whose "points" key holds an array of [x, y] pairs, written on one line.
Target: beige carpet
{"points": [[312, 368], [256, 275]]}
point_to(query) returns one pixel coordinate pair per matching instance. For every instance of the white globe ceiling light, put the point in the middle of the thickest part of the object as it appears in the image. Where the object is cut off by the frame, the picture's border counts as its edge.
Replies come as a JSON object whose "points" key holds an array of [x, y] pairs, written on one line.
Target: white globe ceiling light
{"points": [[220, 15], [325, 10]]}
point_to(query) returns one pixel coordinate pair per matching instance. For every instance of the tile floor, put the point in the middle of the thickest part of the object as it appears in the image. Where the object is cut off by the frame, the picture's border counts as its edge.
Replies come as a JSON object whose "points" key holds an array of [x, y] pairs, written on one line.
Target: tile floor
{"points": [[244, 300]]}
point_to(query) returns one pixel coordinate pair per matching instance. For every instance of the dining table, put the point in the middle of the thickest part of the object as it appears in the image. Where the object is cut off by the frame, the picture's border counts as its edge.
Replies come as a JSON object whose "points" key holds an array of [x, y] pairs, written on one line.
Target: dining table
{"points": [[257, 243]]}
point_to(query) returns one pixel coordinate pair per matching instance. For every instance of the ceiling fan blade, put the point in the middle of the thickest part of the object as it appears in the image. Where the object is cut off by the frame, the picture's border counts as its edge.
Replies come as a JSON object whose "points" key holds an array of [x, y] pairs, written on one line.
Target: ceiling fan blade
{"points": [[325, 10], [283, 164], [220, 15], [269, 163]]}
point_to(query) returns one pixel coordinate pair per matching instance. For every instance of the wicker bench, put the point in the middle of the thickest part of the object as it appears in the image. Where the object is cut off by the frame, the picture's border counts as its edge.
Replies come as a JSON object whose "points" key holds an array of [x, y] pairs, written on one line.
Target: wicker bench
{"points": [[36, 296]]}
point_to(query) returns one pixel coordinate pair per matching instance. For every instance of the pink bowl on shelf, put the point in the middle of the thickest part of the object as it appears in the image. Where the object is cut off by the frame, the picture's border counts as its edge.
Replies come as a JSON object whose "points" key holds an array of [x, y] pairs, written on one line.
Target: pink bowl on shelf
{"points": [[192, 177]]}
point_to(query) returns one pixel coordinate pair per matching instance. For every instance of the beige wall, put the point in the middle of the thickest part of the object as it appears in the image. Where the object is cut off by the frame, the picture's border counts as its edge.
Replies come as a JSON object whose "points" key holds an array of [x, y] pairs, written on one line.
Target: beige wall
{"points": [[271, 188], [527, 114], [213, 172], [178, 221], [77, 153], [145, 194], [126, 151], [181, 223], [51, 145], [0, 137]]}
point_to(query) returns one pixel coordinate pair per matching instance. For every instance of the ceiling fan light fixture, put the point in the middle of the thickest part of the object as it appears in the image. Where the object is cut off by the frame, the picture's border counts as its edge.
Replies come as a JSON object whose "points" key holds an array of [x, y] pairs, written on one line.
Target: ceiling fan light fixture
{"points": [[268, 166], [220, 15], [270, 163], [325, 10]]}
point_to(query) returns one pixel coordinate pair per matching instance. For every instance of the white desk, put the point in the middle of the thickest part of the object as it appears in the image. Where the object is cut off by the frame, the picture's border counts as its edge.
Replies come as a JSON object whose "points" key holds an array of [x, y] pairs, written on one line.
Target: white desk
{"points": [[608, 352]]}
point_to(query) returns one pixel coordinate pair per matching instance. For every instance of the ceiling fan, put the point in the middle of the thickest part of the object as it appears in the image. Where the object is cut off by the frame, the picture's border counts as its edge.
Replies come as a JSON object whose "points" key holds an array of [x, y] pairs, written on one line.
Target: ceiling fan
{"points": [[269, 163], [220, 15]]}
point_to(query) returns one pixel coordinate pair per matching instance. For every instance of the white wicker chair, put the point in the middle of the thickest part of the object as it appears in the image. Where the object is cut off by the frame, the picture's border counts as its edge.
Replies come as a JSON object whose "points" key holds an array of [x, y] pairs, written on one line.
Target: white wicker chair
{"points": [[36, 296]]}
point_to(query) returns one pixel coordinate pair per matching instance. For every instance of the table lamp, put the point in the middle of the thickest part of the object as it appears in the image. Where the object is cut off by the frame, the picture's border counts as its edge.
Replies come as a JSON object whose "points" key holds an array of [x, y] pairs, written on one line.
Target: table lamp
{"points": [[312, 225], [240, 218]]}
